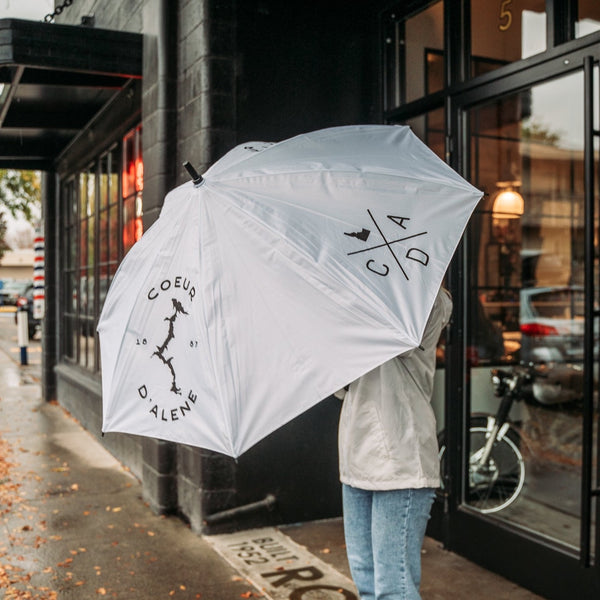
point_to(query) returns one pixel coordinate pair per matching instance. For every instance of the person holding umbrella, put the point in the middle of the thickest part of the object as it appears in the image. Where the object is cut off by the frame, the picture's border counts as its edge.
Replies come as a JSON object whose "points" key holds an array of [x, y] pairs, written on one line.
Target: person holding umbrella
{"points": [[389, 466]]}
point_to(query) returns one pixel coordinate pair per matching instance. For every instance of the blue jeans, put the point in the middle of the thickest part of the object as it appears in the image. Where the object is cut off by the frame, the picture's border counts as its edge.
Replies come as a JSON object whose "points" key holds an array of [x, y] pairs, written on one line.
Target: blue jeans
{"points": [[384, 533]]}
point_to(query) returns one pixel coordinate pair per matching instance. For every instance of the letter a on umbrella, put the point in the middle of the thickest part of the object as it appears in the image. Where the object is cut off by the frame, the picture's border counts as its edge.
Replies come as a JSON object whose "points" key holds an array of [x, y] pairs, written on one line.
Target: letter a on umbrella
{"points": [[284, 273]]}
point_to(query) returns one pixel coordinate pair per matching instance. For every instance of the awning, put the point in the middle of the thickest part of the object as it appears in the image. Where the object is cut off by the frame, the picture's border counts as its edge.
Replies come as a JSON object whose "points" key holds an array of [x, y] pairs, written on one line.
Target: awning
{"points": [[54, 79]]}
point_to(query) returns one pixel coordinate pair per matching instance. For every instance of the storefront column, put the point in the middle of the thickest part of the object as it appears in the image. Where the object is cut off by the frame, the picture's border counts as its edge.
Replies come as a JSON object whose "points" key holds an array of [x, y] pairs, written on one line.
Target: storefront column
{"points": [[49, 322], [159, 105], [159, 138]]}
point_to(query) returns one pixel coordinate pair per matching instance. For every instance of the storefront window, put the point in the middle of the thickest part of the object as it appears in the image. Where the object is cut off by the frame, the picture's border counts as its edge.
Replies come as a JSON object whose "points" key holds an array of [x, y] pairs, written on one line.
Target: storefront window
{"points": [[102, 208], [87, 242], [525, 304], [504, 31], [69, 252], [430, 130], [109, 222], [588, 17], [133, 186], [415, 55]]}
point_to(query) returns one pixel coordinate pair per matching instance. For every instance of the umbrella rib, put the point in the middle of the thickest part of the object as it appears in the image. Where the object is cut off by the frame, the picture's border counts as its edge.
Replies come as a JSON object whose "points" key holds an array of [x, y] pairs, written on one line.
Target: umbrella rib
{"points": [[324, 170]]}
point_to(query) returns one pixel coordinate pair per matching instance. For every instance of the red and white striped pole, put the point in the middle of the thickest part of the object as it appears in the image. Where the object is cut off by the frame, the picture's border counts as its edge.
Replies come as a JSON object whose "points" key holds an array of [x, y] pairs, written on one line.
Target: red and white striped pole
{"points": [[39, 297]]}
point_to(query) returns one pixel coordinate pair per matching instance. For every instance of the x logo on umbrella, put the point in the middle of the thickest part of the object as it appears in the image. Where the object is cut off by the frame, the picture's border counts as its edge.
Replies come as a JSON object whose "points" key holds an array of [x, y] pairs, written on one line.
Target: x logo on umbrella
{"points": [[412, 254]]}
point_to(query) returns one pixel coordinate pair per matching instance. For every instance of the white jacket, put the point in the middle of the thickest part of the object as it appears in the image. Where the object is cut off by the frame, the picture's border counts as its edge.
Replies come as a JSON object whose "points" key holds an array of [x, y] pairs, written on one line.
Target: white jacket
{"points": [[387, 433]]}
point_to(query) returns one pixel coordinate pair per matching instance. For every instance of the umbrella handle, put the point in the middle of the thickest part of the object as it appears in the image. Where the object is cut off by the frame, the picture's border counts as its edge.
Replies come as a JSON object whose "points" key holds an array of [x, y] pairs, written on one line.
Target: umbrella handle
{"points": [[196, 179]]}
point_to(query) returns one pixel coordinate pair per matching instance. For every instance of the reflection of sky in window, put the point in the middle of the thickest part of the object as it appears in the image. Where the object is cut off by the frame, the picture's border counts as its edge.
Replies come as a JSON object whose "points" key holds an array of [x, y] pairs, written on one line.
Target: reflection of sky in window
{"points": [[585, 27], [553, 106], [550, 99], [533, 33]]}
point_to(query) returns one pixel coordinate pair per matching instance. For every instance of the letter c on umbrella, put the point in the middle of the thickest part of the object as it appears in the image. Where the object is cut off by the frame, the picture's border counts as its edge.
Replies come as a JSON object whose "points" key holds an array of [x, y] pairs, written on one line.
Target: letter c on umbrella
{"points": [[382, 273]]}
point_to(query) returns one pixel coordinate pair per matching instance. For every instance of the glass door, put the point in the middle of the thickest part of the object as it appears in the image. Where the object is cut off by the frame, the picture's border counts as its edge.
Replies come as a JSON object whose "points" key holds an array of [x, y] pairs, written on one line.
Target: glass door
{"points": [[529, 463]]}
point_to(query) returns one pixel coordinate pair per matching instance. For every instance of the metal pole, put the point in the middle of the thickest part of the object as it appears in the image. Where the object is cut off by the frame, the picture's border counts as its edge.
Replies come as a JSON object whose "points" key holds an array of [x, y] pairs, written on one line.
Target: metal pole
{"points": [[23, 334], [588, 340]]}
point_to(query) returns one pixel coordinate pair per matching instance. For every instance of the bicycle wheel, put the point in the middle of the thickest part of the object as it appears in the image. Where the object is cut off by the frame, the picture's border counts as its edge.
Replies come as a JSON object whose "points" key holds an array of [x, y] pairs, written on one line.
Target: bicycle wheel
{"points": [[496, 485]]}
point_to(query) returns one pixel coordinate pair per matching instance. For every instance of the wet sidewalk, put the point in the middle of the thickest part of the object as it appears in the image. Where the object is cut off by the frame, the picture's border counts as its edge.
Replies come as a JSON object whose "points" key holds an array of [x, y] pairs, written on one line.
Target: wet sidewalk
{"points": [[73, 525]]}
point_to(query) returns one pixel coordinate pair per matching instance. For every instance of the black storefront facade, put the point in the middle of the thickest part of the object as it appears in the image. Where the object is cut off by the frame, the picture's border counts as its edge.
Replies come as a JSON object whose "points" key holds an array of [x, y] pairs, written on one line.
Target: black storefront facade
{"points": [[507, 92]]}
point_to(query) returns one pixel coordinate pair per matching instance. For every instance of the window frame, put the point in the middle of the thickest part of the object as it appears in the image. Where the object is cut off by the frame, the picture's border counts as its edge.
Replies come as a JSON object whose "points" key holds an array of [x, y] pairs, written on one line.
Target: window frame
{"points": [[89, 202]]}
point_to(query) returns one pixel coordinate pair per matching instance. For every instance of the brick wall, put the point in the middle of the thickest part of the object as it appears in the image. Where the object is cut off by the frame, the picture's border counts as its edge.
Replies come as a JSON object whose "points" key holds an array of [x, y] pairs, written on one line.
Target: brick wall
{"points": [[206, 82]]}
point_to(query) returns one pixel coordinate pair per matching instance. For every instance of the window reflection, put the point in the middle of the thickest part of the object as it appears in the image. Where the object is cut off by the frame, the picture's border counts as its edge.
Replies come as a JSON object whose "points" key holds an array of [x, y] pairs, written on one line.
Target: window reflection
{"points": [[504, 31], [101, 223], [133, 185], [525, 299], [588, 19], [414, 54], [430, 130]]}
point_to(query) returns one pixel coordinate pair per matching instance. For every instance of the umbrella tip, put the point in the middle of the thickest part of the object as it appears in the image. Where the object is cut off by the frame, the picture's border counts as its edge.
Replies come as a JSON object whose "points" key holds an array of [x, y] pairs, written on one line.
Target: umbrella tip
{"points": [[196, 179]]}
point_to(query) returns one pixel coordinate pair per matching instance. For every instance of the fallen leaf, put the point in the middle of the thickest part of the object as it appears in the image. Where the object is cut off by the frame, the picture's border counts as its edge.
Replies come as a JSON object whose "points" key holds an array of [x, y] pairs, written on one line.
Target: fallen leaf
{"points": [[65, 562], [101, 591]]}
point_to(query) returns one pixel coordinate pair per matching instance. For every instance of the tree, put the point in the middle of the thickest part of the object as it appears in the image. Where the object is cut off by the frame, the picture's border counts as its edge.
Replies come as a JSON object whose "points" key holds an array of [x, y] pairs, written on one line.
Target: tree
{"points": [[537, 132], [3, 244], [20, 195], [20, 192]]}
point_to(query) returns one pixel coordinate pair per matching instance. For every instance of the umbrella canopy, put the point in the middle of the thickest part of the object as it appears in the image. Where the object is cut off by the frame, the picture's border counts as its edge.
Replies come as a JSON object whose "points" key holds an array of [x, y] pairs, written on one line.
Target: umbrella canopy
{"points": [[289, 271]]}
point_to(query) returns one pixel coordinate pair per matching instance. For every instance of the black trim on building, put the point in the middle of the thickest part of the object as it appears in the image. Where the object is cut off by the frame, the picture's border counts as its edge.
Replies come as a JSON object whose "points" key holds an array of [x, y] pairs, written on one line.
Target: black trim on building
{"points": [[55, 79]]}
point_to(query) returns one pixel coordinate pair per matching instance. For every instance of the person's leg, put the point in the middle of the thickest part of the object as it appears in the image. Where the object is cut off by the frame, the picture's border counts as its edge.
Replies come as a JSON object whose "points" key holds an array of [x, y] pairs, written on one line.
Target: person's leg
{"points": [[357, 531], [398, 523]]}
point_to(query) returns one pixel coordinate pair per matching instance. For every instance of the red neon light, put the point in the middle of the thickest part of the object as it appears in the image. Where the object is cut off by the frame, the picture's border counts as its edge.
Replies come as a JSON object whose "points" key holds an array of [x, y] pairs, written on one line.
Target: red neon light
{"points": [[139, 229], [133, 177], [139, 174]]}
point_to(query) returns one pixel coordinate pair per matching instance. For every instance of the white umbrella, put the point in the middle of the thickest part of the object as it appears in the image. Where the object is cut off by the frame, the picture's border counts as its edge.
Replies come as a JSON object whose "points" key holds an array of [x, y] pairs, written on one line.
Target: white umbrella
{"points": [[289, 271]]}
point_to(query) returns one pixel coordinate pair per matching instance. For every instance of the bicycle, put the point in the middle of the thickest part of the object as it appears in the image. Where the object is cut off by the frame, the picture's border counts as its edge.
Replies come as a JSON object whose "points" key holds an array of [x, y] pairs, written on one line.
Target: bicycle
{"points": [[496, 465]]}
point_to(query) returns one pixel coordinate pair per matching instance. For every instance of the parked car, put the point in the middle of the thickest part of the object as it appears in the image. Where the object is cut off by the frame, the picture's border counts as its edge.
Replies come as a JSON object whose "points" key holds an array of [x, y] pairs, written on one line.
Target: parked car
{"points": [[11, 290], [25, 302], [552, 328]]}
